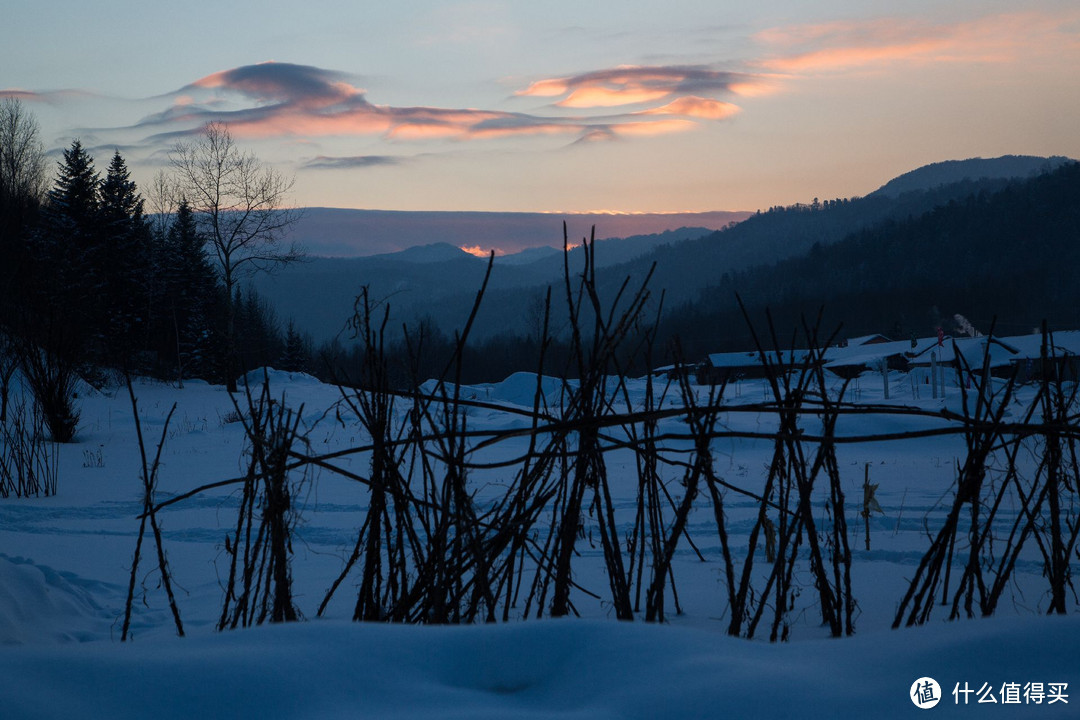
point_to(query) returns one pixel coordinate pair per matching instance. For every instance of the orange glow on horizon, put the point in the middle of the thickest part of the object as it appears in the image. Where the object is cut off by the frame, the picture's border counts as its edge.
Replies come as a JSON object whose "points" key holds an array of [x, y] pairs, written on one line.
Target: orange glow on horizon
{"points": [[481, 252]]}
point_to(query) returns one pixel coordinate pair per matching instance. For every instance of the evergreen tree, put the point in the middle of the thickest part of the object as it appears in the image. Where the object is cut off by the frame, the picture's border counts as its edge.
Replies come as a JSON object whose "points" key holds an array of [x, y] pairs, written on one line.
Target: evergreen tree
{"points": [[258, 338], [121, 205], [297, 354], [191, 298], [65, 295], [73, 201], [123, 261]]}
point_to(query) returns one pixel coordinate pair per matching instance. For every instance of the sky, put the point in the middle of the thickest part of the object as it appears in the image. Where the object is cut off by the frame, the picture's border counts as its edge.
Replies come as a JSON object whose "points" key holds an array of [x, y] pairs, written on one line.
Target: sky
{"points": [[628, 106]]}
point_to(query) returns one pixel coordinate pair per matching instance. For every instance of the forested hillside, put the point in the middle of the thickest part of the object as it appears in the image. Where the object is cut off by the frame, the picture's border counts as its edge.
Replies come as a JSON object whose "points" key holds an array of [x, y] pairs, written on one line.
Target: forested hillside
{"points": [[1010, 255]]}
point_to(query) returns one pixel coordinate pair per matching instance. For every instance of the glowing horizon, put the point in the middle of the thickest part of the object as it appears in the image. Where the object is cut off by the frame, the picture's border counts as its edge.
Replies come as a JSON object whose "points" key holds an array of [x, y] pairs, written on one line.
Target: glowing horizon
{"points": [[480, 252]]}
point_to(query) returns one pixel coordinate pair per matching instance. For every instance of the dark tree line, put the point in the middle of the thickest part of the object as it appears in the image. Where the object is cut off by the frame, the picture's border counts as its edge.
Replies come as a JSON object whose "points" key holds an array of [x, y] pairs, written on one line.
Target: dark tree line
{"points": [[89, 282], [99, 287]]}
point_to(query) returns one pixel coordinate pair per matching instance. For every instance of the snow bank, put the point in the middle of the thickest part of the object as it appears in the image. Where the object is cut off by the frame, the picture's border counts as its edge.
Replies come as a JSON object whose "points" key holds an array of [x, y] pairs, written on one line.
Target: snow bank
{"points": [[40, 605], [277, 378], [565, 669], [520, 389]]}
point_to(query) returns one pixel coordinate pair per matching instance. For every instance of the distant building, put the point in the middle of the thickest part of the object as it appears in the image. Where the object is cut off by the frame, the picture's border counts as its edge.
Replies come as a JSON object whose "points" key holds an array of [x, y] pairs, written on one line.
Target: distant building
{"points": [[1021, 354]]}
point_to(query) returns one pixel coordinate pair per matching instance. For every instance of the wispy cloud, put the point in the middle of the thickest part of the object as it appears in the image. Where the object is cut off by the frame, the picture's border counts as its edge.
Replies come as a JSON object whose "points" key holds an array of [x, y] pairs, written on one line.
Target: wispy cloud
{"points": [[845, 45], [285, 83], [48, 96], [695, 107], [285, 100], [635, 84], [325, 162]]}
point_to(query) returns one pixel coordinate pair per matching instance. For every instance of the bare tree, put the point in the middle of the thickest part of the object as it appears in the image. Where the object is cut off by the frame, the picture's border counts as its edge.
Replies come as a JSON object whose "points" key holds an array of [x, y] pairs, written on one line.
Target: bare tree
{"points": [[22, 189], [239, 205], [161, 202], [22, 156], [23, 184]]}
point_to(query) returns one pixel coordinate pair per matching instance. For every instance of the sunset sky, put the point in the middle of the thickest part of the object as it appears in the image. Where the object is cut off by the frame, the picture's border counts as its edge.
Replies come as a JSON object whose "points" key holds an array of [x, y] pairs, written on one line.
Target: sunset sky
{"points": [[547, 106]]}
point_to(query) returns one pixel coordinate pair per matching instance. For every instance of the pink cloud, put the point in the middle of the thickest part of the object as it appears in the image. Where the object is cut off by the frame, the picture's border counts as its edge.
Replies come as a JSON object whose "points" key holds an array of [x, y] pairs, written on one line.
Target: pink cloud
{"points": [[655, 127], [634, 84], [588, 97], [283, 100], [697, 107], [284, 82], [842, 45]]}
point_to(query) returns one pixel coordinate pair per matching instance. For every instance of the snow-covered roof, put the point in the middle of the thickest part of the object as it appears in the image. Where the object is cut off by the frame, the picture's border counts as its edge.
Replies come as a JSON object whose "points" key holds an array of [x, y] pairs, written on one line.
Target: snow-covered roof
{"points": [[1003, 350], [744, 359], [853, 355], [867, 339], [1006, 350]]}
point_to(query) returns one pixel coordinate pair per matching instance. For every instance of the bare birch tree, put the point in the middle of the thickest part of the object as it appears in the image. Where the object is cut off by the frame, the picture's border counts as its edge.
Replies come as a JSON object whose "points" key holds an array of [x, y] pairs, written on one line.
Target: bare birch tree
{"points": [[240, 206], [23, 183], [22, 156]]}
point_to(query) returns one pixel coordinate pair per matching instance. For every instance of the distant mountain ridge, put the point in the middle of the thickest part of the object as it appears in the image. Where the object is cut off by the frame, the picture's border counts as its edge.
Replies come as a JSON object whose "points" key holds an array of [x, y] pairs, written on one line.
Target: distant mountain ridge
{"points": [[343, 232], [937, 174], [437, 281], [433, 252]]}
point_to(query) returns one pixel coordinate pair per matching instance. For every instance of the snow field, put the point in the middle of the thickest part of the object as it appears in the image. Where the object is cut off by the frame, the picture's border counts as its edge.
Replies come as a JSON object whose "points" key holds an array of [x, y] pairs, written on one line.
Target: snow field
{"points": [[64, 563]]}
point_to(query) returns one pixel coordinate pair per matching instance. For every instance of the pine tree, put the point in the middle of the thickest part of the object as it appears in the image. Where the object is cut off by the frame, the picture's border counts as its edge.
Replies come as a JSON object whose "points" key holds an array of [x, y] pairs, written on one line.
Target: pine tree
{"points": [[62, 295], [192, 296], [123, 261], [258, 334], [297, 354], [65, 297], [120, 202], [73, 201]]}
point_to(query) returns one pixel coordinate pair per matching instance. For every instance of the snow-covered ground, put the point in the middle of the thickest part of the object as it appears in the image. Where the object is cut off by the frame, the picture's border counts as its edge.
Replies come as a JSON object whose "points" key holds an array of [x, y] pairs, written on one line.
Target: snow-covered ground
{"points": [[65, 561]]}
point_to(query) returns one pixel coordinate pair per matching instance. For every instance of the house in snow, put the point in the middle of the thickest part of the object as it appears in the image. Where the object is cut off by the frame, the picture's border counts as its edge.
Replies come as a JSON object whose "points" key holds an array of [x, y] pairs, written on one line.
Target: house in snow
{"points": [[1020, 354], [903, 355], [718, 368]]}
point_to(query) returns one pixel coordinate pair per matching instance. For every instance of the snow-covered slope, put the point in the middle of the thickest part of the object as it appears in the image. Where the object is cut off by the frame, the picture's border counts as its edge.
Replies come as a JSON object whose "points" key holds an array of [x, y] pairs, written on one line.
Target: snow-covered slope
{"points": [[65, 561], [550, 669]]}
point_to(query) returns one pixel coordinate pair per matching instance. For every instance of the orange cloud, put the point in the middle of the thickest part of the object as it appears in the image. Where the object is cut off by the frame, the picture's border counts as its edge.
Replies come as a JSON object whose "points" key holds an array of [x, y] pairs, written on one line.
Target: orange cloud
{"points": [[633, 84], [295, 123], [546, 88], [842, 45], [587, 97], [283, 100], [655, 127], [698, 107]]}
